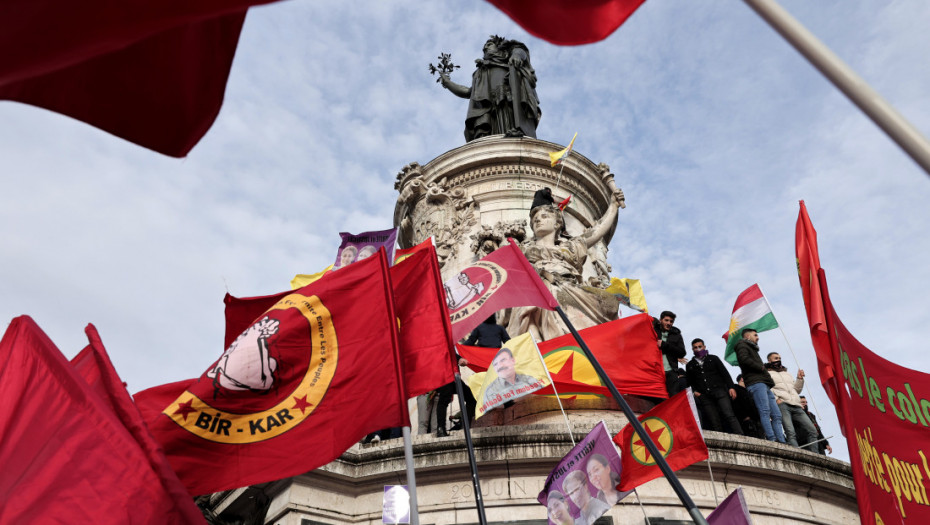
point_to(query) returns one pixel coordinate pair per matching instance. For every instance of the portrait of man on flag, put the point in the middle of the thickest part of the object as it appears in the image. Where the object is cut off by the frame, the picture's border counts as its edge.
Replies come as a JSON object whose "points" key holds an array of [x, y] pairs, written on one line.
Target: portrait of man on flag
{"points": [[516, 370], [583, 486]]}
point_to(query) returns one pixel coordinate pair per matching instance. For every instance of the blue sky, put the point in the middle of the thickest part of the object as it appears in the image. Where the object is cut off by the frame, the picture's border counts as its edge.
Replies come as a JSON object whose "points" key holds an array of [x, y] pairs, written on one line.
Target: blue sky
{"points": [[712, 124]]}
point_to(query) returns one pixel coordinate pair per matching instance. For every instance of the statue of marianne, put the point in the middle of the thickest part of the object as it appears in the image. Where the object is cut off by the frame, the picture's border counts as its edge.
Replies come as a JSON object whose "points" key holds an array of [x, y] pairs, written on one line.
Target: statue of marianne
{"points": [[559, 260], [502, 97]]}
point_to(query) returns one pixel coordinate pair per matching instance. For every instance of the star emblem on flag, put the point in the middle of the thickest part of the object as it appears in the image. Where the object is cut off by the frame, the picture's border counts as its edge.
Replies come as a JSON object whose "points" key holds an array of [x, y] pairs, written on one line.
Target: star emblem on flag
{"points": [[301, 403], [186, 408], [660, 434]]}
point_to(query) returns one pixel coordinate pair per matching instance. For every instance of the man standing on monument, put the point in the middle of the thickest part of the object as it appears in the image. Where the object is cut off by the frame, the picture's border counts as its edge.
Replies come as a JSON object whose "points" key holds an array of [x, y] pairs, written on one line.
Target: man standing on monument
{"points": [[672, 346], [759, 383], [713, 389], [786, 392], [502, 97]]}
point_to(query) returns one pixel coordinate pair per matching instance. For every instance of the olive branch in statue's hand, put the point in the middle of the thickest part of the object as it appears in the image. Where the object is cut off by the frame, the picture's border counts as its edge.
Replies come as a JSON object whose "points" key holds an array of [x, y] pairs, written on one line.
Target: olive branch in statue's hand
{"points": [[444, 67]]}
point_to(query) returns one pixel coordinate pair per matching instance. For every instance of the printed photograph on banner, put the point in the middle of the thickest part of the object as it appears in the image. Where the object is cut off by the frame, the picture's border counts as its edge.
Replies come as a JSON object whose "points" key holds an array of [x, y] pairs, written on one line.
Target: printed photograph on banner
{"points": [[396, 504], [582, 487], [356, 247], [515, 371]]}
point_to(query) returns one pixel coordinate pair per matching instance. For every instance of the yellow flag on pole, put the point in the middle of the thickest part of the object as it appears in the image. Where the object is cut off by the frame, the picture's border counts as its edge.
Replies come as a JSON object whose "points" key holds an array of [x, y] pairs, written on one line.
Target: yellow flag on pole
{"points": [[561, 155]]}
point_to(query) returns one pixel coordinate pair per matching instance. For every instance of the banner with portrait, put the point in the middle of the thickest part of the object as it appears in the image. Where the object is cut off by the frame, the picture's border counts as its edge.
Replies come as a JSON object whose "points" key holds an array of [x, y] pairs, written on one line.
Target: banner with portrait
{"points": [[360, 246], [583, 486], [516, 370]]}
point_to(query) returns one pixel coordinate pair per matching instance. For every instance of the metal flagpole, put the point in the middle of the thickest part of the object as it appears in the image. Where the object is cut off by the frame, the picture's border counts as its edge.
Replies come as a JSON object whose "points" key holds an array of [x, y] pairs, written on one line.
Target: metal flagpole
{"points": [[790, 349], [411, 477], [673, 480], [571, 431], [466, 427], [712, 484], [636, 492], [846, 80]]}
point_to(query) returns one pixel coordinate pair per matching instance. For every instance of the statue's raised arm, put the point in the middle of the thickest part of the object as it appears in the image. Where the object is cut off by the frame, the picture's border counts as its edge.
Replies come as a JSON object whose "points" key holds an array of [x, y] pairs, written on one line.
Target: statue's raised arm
{"points": [[502, 96]]}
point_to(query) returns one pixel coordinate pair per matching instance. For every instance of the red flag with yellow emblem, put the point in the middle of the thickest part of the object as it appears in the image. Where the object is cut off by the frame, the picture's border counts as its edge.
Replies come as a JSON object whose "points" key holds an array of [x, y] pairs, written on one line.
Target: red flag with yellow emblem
{"points": [[307, 378], [673, 427], [626, 349]]}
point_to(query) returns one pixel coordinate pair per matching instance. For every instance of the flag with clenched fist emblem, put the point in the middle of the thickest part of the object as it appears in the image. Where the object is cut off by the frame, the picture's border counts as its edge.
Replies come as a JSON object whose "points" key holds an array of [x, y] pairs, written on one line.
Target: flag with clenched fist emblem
{"points": [[308, 377]]}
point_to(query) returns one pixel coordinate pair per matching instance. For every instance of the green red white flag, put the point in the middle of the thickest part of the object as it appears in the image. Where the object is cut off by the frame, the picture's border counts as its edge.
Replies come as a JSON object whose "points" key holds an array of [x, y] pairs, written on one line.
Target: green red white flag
{"points": [[751, 310]]}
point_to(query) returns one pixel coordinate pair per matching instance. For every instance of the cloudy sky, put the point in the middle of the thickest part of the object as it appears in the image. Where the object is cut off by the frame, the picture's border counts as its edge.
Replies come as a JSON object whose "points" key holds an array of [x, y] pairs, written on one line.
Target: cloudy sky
{"points": [[713, 125]]}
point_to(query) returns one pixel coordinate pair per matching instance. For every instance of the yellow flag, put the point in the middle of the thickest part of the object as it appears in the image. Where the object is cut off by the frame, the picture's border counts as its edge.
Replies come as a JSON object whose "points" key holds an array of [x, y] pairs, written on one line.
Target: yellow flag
{"points": [[630, 293], [560, 155], [300, 280], [516, 370]]}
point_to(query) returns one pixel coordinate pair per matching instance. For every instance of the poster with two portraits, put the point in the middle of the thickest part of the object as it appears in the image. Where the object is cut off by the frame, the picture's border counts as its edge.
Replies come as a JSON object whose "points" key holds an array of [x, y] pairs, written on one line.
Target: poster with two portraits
{"points": [[582, 487]]}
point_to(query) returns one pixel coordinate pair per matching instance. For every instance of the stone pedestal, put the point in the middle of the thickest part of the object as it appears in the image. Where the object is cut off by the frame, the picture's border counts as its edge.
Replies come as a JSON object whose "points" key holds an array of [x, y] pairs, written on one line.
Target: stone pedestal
{"points": [[782, 484]]}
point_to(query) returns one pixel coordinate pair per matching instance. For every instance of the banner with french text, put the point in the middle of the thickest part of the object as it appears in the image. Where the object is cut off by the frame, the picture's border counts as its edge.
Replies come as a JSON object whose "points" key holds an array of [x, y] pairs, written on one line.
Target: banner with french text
{"points": [[886, 411]]}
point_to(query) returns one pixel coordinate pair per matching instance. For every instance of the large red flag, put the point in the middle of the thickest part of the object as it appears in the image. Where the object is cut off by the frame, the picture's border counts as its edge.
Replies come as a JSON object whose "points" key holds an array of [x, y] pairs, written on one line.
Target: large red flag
{"points": [[808, 260], [93, 364], [626, 349], [153, 73], [569, 22], [308, 378], [673, 427], [885, 410], [66, 455], [502, 279], [425, 344]]}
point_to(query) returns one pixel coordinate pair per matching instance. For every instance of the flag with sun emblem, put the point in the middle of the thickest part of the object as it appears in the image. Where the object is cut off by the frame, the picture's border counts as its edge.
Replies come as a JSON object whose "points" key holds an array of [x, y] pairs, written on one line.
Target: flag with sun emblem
{"points": [[305, 379], [673, 427]]}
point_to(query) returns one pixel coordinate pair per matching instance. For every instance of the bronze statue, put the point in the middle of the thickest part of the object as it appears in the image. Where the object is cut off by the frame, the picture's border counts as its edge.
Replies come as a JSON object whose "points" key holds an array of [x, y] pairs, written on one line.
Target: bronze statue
{"points": [[502, 97]]}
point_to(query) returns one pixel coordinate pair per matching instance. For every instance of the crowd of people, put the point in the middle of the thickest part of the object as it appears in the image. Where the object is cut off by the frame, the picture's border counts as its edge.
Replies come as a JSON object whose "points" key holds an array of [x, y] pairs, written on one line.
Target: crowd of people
{"points": [[764, 401]]}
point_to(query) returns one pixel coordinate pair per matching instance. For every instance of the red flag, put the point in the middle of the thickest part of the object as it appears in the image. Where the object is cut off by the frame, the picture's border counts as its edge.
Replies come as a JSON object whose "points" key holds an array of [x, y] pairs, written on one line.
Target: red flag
{"points": [[302, 383], [425, 333], [885, 411], [673, 427], [808, 260], [67, 457], [569, 22], [153, 73], [425, 344], [626, 349], [502, 279], [93, 364]]}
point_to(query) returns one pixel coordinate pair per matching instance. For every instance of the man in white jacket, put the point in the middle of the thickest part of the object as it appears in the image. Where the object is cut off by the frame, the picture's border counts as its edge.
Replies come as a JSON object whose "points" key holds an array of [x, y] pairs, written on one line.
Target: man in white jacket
{"points": [[787, 390]]}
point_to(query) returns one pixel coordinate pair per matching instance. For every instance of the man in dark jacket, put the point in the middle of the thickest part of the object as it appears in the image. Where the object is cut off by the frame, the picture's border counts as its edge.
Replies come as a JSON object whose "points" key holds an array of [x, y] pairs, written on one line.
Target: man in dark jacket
{"points": [[672, 346], [823, 446], [713, 389], [759, 383]]}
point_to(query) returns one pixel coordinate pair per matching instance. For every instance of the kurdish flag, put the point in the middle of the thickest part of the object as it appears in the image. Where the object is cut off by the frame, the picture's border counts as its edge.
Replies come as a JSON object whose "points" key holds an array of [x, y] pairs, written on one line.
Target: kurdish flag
{"points": [[561, 155], [750, 311]]}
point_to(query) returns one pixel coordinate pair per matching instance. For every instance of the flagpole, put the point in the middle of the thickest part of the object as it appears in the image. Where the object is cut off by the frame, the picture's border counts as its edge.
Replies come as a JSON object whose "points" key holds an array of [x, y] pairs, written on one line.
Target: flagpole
{"points": [[466, 426], [411, 477], [712, 484], [673, 480], [402, 387], [787, 342], [571, 431], [641, 506], [846, 80]]}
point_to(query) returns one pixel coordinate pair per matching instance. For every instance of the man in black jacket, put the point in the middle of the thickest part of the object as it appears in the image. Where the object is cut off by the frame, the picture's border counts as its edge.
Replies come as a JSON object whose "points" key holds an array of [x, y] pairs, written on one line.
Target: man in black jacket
{"points": [[713, 389], [759, 383], [672, 346]]}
